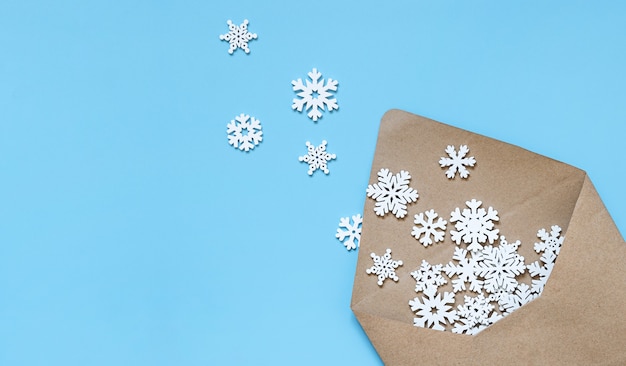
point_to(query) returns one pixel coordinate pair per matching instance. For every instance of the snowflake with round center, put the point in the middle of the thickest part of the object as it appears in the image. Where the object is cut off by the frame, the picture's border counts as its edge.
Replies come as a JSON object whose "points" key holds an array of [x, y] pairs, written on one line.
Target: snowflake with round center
{"points": [[464, 270], [238, 36], [457, 162], [474, 225], [475, 315], [550, 242], [500, 266], [428, 276], [317, 158], [429, 227], [384, 267], [244, 132], [350, 235], [434, 310], [314, 96], [392, 193]]}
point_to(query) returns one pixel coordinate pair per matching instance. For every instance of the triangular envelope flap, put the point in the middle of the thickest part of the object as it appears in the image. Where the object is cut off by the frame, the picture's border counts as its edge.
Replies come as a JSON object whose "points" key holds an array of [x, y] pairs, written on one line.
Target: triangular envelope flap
{"points": [[529, 191], [547, 329]]}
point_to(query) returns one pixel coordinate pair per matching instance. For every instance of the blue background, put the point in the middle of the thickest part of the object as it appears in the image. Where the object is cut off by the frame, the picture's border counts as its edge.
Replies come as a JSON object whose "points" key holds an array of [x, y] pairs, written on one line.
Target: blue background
{"points": [[131, 233]]}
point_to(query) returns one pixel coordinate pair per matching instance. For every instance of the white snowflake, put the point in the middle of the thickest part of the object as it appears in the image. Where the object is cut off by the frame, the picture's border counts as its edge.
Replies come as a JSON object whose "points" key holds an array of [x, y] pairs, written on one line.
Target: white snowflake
{"points": [[509, 302], [244, 132], [350, 235], [434, 310], [238, 36], [317, 157], [464, 270], [475, 314], [541, 271], [550, 242], [384, 267], [314, 95], [457, 162], [429, 228], [474, 225], [392, 193], [500, 266], [428, 276]]}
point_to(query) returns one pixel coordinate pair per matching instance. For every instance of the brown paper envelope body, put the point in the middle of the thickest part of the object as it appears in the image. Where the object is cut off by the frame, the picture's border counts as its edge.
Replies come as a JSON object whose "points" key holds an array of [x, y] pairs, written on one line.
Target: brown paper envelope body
{"points": [[580, 318]]}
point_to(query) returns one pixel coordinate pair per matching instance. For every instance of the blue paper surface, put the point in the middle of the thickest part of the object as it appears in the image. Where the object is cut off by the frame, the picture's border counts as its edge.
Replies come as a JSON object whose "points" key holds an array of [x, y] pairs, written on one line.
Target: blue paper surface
{"points": [[131, 233]]}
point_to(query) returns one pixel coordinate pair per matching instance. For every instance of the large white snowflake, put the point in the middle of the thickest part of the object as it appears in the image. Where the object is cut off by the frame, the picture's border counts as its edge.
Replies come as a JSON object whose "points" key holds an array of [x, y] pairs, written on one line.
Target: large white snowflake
{"points": [[550, 242], [509, 302], [392, 193], [350, 233], [434, 310], [384, 267], [238, 36], [317, 158], [541, 272], [500, 267], [475, 314], [464, 270], [457, 162], [428, 276], [244, 132], [429, 227], [474, 225], [315, 95]]}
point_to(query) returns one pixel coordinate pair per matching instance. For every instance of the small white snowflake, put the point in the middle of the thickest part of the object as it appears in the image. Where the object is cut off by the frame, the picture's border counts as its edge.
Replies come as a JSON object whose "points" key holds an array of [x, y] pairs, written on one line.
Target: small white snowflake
{"points": [[429, 228], [434, 310], [510, 302], [428, 276], [244, 132], [550, 242], [474, 225], [392, 193], [238, 36], [457, 162], [317, 157], [351, 233], [500, 266], [475, 314], [541, 271], [464, 270], [384, 267], [314, 95]]}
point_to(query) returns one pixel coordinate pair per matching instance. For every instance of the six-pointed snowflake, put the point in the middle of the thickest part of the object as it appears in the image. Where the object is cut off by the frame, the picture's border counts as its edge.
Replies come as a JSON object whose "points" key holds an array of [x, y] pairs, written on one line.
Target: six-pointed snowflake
{"points": [[540, 273], [550, 242], [474, 225], [428, 276], [244, 132], [475, 314], [429, 227], [464, 270], [457, 162], [317, 157], [315, 95], [384, 267], [350, 233], [392, 193], [509, 302], [238, 36], [434, 310], [500, 267]]}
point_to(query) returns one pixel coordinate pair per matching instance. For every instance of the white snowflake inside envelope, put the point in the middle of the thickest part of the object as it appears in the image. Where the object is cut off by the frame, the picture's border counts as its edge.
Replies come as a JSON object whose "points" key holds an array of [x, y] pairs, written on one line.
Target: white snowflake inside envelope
{"points": [[475, 251]]}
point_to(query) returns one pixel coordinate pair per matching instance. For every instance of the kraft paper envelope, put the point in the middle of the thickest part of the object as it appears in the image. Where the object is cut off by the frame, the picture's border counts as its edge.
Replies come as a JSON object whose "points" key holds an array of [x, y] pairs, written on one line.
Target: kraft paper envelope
{"points": [[579, 319]]}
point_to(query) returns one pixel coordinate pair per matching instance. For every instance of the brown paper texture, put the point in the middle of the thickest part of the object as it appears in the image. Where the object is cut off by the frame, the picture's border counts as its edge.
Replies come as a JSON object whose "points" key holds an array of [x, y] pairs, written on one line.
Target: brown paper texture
{"points": [[579, 319]]}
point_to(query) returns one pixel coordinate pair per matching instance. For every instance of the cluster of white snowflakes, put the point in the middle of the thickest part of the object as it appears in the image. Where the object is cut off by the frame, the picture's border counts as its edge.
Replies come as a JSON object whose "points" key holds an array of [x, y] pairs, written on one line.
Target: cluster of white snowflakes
{"points": [[486, 272], [314, 95]]}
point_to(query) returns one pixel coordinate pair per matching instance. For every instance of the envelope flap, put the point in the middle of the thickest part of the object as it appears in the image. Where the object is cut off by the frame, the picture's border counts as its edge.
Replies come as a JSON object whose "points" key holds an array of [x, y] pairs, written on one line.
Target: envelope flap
{"points": [[579, 317]]}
